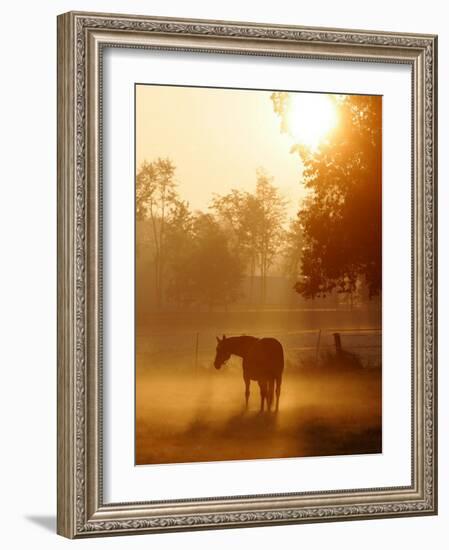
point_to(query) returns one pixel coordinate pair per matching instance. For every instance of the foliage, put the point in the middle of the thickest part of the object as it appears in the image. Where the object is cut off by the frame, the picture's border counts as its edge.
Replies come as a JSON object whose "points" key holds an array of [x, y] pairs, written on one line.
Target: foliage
{"points": [[180, 244], [255, 221], [156, 198], [203, 270], [293, 248], [341, 217], [214, 271]]}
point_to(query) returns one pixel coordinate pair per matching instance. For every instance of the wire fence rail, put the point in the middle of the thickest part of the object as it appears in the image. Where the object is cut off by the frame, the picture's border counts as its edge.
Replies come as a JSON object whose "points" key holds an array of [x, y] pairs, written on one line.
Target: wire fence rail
{"points": [[197, 349]]}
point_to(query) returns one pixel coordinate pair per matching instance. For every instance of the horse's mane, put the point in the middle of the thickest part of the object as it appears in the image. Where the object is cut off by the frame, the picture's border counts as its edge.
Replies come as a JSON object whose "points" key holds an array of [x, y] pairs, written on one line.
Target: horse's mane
{"points": [[239, 344]]}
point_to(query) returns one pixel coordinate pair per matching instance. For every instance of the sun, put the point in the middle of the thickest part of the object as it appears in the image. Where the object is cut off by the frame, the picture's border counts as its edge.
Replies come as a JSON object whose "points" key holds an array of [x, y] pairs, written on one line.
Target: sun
{"points": [[310, 118]]}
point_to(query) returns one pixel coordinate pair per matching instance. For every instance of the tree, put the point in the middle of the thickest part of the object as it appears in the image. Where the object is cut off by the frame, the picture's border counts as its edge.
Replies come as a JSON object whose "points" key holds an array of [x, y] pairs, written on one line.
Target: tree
{"points": [[155, 199], [293, 250], [212, 272], [269, 217], [236, 212], [179, 245], [341, 217], [256, 221]]}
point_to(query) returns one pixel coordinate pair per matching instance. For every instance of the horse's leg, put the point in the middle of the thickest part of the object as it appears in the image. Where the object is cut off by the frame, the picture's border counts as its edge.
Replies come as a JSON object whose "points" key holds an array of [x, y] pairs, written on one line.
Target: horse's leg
{"points": [[278, 390], [263, 394], [270, 392], [247, 383]]}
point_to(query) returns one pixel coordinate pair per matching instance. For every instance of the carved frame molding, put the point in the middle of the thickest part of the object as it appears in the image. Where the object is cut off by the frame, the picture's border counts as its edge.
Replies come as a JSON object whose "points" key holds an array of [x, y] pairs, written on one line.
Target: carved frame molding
{"points": [[81, 40]]}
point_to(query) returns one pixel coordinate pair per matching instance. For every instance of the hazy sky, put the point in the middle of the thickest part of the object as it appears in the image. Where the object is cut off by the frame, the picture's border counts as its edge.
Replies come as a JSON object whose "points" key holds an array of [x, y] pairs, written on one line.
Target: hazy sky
{"points": [[217, 138]]}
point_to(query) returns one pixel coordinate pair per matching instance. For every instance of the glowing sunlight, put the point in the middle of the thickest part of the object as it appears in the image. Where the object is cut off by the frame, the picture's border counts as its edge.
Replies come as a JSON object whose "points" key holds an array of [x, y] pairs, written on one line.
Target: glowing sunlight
{"points": [[310, 118]]}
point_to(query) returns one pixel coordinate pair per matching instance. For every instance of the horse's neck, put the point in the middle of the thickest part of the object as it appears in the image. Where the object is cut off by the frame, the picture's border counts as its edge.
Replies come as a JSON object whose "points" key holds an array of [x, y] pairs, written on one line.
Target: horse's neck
{"points": [[238, 345]]}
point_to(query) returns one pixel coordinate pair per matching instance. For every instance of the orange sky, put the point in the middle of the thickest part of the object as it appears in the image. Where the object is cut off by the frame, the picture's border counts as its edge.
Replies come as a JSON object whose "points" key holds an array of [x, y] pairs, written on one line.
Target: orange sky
{"points": [[217, 138]]}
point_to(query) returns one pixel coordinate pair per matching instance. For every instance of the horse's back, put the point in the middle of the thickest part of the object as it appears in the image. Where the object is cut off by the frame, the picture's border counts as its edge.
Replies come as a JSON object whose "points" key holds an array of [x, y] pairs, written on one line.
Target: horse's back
{"points": [[272, 348], [268, 357]]}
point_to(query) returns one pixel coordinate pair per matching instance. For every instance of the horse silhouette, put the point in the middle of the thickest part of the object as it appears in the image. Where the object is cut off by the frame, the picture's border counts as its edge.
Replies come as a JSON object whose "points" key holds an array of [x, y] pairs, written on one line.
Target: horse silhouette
{"points": [[262, 361]]}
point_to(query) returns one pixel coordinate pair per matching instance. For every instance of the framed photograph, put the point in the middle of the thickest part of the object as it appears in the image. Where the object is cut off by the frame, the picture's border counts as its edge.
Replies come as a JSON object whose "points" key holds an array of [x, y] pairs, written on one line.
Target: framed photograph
{"points": [[246, 274]]}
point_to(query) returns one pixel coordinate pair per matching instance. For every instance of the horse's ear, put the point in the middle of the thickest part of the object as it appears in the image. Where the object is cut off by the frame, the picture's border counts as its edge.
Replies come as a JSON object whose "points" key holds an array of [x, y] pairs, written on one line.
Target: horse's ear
{"points": [[224, 337], [218, 339]]}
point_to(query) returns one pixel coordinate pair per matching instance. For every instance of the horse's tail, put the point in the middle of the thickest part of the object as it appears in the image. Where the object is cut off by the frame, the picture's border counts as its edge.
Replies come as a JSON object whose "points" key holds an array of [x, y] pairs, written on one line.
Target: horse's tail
{"points": [[281, 359], [278, 377]]}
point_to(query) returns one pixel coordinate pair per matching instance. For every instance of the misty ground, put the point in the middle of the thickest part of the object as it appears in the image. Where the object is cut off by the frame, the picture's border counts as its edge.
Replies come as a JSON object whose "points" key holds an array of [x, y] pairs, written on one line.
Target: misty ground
{"points": [[201, 417], [188, 411]]}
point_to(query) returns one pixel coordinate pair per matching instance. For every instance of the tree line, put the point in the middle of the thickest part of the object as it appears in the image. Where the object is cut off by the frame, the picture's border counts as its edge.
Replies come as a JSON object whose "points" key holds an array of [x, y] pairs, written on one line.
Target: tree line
{"points": [[201, 258]]}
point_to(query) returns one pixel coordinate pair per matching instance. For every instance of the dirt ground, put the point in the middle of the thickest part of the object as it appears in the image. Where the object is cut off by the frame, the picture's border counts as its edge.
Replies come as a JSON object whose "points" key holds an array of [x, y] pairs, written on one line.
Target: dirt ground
{"points": [[197, 415]]}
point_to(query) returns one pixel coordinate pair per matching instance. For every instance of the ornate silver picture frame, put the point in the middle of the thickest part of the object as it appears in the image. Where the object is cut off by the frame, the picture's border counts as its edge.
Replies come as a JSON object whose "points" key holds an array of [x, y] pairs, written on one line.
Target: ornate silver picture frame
{"points": [[83, 39]]}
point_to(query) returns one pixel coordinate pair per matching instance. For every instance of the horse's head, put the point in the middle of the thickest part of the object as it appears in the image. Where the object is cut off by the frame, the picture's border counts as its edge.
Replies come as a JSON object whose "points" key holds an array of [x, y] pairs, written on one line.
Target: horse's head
{"points": [[222, 353]]}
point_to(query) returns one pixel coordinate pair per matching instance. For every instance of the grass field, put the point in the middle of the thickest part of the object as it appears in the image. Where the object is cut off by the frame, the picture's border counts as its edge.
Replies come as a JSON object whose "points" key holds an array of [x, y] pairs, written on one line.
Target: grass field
{"points": [[187, 411]]}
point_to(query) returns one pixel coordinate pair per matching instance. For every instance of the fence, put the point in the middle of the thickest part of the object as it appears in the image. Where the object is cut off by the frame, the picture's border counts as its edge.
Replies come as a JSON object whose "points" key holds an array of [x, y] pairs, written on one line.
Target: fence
{"points": [[301, 347]]}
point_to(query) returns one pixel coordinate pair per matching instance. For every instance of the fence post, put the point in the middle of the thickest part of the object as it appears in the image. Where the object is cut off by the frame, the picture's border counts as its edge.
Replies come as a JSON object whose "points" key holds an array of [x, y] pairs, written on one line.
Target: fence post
{"points": [[196, 350], [318, 347], [337, 340]]}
